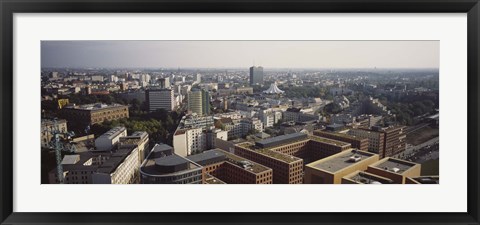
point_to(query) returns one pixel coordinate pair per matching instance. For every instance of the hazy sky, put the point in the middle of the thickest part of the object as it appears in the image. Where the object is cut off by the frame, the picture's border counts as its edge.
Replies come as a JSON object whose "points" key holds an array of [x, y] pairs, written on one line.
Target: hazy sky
{"points": [[225, 54]]}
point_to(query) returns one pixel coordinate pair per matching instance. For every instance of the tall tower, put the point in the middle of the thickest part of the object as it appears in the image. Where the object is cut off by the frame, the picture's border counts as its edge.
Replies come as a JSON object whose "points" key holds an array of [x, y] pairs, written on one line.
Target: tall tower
{"points": [[256, 75], [195, 101]]}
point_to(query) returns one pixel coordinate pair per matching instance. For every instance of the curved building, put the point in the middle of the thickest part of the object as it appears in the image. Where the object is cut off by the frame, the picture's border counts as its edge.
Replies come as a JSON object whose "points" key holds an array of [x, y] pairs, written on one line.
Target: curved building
{"points": [[162, 166], [273, 89]]}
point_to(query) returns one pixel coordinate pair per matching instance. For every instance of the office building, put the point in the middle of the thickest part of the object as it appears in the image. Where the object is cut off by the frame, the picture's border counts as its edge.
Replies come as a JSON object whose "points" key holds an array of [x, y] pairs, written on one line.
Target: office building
{"points": [[120, 168], [232, 169], [362, 177], [286, 169], [395, 169], [109, 140], [256, 75], [195, 134], [394, 142], [375, 139], [330, 170], [195, 101], [356, 142], [90, 114], [162, 166], [139, 139], [164, 82], [160, 99]]}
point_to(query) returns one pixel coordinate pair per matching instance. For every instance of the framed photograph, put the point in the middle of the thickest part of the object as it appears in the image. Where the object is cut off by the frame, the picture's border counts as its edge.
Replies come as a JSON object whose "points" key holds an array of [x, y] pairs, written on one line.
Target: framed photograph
{"points": [[292, 108]]}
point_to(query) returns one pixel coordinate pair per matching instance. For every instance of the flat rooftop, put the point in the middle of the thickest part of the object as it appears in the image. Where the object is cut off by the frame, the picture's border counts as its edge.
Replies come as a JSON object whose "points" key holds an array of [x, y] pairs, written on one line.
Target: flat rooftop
{"points": [[368, 178], [93, 107], [209, 179], [245, 163], [208, 157], [113, 132], [338, 134], [341, 160], [270, 142], [392, 164], [329, 141], [170, 164], [115, 160], [277, 155]]}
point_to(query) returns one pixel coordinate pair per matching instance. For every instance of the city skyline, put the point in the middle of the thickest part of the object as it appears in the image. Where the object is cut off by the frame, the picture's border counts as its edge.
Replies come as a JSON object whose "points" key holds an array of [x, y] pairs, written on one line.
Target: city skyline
{"points": [[239, 54]]}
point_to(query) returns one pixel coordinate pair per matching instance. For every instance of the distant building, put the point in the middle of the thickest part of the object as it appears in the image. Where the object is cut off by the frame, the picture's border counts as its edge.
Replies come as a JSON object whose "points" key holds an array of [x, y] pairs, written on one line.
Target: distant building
{"points": [[164, 82], [160, 99], [195, 101], [199, 102], [256, 75]]}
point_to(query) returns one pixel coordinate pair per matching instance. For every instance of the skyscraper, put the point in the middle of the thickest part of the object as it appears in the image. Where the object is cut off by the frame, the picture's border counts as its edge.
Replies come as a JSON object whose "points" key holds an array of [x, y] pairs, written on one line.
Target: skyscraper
{"points": [[195, 101], [199, 102], [205, 102], [160, 99], [256, 75]]}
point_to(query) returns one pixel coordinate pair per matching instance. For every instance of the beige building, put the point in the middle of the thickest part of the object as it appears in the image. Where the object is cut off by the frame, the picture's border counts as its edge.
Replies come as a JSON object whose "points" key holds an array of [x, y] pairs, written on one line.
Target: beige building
{"points": [[395, 169], [330, 170], [362, 177]]}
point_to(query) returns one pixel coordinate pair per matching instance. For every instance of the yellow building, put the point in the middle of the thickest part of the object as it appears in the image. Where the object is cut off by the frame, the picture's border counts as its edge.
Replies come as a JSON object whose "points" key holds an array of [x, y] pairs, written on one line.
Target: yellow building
{"points": [[395, 169], [330, 170]]}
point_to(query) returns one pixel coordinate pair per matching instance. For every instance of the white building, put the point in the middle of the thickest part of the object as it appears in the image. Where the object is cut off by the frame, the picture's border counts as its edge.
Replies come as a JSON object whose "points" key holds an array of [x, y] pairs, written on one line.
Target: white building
{"points": [[189, 141], [160, 99], [120, 168], [109, 139], [138, 138]]}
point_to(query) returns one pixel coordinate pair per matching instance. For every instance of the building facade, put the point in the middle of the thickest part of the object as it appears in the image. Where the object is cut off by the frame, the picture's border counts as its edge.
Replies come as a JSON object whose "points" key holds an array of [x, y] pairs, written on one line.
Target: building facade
{"points": [[160, 99], [93, 113], [256, 75]]}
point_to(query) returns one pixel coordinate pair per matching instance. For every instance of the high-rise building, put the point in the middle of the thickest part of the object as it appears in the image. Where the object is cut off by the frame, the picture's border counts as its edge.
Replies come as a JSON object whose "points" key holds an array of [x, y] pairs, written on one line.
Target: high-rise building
{"points": [[256, 75], [198, 78], [160, 99], [164, 82], [205, 102], [195, 101], [199, 102]]}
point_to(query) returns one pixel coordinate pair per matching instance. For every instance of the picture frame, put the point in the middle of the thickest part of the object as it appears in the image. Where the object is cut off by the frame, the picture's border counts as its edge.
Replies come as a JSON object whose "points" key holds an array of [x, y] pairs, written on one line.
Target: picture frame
{"points": [[9, 8]]}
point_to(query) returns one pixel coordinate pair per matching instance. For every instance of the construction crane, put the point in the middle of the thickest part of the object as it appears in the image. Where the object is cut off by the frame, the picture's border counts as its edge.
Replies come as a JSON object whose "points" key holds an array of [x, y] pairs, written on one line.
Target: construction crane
{"points": [[59, 145]]}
